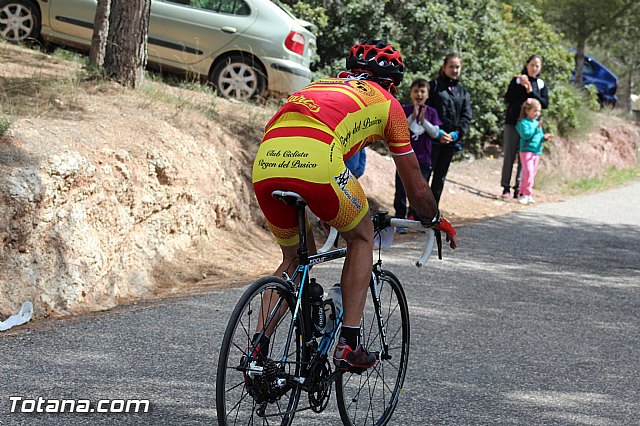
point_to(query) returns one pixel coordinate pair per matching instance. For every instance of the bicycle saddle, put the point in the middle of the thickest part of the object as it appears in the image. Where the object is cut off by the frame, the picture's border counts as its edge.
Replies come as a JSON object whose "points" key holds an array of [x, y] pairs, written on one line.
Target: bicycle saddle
{"points": [[289, 197]]}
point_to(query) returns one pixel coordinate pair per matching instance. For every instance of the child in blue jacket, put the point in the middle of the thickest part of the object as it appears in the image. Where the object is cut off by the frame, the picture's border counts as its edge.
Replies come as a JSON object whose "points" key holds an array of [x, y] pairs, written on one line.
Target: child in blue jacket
{"points": [[529, 128]]}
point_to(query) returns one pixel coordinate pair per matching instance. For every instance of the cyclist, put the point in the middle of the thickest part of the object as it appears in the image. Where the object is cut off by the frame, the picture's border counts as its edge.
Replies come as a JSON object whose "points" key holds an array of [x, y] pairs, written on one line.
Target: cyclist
{"points": [[304, 149]]}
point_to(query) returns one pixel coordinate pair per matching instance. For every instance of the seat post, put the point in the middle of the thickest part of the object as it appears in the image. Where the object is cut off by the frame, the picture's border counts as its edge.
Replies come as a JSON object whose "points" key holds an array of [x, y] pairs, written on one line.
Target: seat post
{"points": [[303, 251]]}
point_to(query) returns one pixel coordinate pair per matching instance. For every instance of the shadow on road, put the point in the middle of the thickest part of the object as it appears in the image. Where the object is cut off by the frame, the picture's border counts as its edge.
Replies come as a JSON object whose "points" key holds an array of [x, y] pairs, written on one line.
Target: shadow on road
{"points": [[534, 320]]}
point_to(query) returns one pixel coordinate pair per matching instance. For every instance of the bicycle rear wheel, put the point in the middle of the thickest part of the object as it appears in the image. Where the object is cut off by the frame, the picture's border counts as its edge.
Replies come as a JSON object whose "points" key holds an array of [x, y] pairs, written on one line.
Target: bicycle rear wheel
{"points": [[371, 398], [256, 388]]}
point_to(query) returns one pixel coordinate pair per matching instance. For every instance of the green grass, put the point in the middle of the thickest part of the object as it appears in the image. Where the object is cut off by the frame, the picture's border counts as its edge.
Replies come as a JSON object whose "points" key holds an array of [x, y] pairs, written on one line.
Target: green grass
{"points": [[70, 55], [567, 185], [38, 95], [611, 178], [156, 91], [5, 123]]}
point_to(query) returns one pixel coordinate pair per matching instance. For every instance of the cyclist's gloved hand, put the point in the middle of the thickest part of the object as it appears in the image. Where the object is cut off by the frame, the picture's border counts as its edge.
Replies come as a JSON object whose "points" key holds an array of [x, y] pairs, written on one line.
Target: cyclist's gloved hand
{"points": [[446, 227], [443, 225]]}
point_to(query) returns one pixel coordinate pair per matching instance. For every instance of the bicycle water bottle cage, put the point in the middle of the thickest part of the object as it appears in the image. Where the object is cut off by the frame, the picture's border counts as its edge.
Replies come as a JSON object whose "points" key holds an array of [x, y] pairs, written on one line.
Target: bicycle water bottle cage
{"points": [[289, 197]]}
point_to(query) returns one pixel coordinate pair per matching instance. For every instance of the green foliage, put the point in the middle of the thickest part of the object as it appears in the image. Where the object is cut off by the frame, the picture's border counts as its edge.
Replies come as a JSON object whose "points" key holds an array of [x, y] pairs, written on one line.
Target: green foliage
{"points": [[494, 37], [566, 106], [5, 123], [582, 19], [316, 15], [70, 55], [587, 20], [619, 50]]}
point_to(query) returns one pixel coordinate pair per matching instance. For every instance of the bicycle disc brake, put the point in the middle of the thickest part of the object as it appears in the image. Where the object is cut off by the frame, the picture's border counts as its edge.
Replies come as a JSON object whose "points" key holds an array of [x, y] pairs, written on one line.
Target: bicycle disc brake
{"points": [[321, 390]]}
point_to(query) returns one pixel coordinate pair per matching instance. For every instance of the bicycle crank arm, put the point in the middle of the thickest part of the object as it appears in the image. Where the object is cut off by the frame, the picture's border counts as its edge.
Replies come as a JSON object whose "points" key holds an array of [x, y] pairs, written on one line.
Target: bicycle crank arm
{"points": [[383, 356]]}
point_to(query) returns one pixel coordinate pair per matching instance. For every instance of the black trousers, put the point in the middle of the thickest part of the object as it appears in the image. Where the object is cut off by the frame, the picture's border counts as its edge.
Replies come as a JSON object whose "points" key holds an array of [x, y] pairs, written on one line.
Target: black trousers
{"points": [[441, 156], [400, 196]]}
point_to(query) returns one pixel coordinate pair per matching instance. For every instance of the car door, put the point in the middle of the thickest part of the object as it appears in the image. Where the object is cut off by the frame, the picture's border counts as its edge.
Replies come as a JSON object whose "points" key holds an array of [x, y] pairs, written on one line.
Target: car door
{"points": [[188, 31], [74, 18]]}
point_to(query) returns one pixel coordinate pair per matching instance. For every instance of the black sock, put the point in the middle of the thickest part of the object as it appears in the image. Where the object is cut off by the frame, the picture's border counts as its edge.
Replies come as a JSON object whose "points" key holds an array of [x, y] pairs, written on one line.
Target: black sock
{"points": [[350, 336]]}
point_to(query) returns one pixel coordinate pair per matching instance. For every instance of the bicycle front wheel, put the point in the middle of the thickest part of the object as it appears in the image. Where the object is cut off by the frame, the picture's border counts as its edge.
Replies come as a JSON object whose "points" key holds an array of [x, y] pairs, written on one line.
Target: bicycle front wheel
{"points": [[370, 398], [257, 387]]}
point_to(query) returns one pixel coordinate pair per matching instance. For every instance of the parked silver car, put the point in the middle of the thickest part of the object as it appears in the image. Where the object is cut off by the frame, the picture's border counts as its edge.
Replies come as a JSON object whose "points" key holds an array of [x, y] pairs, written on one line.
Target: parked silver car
{"points": [[246, 48]]}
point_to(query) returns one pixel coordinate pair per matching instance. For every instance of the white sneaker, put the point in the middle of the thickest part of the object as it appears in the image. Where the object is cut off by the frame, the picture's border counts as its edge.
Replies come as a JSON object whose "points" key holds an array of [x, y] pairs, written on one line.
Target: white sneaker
{"points": [[531, 199], [523, 199]]}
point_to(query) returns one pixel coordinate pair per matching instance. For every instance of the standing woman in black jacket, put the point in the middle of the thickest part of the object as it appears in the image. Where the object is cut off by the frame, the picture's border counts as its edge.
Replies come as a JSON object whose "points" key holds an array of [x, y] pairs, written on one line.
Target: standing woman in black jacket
{"points": [[526, 85], [450, 98]]}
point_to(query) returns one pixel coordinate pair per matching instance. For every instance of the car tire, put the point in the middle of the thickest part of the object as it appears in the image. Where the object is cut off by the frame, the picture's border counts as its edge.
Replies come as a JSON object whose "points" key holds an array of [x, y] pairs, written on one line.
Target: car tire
{"points": [[19, 21], [238, 77]]}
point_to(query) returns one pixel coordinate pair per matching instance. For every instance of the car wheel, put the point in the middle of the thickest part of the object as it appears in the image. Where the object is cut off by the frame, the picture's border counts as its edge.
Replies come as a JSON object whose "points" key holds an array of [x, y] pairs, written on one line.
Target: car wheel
{"points": [[19, 20], [239, 78]]}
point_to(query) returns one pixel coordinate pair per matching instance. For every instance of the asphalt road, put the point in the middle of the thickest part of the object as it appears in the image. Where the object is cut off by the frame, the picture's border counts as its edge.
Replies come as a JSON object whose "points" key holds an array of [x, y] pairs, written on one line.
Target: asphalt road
{"points": [[534, 320]]}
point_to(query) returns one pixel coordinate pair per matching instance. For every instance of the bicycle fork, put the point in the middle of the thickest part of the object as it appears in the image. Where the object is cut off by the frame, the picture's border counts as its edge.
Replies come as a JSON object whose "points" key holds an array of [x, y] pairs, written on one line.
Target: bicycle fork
{"points": [[374, 285]]}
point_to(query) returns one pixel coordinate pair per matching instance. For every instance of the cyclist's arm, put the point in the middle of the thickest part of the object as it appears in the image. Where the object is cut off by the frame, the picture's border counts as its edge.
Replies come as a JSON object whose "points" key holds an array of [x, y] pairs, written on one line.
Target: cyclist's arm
{"points": [[419, 194]]}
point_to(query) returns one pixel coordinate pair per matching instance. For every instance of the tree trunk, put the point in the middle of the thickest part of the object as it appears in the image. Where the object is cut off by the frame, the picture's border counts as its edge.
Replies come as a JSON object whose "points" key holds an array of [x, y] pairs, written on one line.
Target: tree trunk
{"points": [[100, 33], [627, 103], [126, 54], [580, 62]]}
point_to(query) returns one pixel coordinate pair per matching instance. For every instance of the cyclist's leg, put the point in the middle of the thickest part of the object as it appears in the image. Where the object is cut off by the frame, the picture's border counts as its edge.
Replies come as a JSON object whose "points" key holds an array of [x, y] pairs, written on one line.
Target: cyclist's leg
{"points": [[374, 393], [289, 264], [350, 353], [356, 272], [283, 223], [353, 221]]}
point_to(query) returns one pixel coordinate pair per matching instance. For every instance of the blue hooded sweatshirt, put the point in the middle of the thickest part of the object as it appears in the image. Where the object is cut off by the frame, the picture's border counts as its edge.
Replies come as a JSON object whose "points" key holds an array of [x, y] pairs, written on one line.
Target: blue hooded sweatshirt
{"points": [[531, 136]]}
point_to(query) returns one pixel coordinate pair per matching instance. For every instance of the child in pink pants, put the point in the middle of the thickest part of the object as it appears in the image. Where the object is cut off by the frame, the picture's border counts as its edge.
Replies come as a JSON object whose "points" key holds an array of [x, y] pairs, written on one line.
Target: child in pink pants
{"points": [[529, 128]]}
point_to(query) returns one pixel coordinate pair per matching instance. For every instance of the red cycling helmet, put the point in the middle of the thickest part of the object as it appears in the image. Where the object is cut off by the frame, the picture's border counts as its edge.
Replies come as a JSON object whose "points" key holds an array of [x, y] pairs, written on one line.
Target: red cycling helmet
{"points": [[377, 57]]}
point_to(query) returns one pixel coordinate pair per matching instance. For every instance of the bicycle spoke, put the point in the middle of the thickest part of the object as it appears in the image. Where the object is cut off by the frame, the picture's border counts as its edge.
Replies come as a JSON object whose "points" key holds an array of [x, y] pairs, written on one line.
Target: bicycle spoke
{"points": [[234, 387], [242, 351], [370, 409], [279, 408], [393, 338], [391, 364], [264, 307], [246, 331], [243, 396]]}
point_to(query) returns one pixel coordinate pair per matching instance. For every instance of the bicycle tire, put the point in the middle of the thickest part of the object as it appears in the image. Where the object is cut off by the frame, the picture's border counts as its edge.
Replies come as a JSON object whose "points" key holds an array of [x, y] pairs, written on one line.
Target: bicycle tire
{"points": [[369, 398], [240, 329]]}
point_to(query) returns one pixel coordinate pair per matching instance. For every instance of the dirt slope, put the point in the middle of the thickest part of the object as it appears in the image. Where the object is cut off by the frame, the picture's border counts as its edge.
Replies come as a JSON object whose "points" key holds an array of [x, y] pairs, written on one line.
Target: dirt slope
{"points": [[109, 195]]}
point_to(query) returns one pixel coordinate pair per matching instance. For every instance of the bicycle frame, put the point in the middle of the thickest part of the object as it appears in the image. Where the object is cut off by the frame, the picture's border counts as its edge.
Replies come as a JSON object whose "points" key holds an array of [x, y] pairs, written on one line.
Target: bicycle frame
{"points": [[302, 299], [304, 364]]}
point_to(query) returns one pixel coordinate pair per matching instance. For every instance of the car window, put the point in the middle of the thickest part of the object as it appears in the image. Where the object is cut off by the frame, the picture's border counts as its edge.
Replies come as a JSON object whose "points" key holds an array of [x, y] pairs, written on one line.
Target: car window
{"points": [[587, 68], [231, 7], [234, 7], [206, 4]]}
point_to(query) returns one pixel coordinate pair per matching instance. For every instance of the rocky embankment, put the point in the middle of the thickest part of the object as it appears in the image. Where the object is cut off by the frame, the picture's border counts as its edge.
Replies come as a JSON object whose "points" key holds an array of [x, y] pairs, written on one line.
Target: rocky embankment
{"points": [[109, 195]]}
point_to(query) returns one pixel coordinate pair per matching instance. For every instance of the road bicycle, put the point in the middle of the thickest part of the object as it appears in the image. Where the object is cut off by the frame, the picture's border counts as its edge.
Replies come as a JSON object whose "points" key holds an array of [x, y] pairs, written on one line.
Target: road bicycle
{"points": [[257, 384]]}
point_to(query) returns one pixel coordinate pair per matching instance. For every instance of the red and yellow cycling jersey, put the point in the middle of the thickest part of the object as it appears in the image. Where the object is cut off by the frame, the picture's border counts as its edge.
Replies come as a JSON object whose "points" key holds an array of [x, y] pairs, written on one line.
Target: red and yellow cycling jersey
{"points": [[308, 140]]}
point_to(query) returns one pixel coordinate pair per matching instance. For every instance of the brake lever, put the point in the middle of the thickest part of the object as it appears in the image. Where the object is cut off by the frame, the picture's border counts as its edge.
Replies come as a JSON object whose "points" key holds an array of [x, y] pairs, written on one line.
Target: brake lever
{"points": [[439, 241]]}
